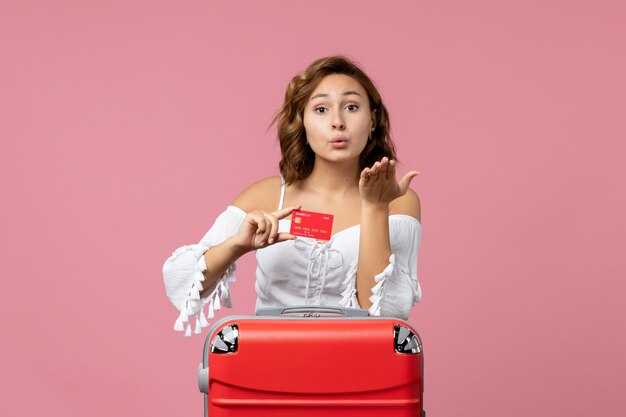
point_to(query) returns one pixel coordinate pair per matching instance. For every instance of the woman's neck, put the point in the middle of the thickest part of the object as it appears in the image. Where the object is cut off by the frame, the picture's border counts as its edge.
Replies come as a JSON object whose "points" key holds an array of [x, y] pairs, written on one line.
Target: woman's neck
{"points": [[332, 178]]}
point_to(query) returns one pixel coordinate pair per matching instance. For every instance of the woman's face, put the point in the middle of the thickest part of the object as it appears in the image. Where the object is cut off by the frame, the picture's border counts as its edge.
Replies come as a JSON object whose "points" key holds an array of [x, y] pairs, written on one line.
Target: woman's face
{"points": [[337, 118]]}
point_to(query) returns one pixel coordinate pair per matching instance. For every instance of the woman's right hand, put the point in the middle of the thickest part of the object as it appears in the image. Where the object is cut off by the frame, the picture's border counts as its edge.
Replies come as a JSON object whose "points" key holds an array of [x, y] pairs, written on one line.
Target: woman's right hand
{"points": [[260, 229]]}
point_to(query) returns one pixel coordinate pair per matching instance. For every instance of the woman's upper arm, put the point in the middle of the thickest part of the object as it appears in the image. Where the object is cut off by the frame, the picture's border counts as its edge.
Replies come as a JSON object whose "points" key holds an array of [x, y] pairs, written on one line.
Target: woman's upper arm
{"points": [[408, 204]]}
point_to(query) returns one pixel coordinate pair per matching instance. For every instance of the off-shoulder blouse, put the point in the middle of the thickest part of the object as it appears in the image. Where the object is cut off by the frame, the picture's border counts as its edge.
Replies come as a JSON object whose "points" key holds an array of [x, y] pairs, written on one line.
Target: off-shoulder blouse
{"points": [[303, 271]]}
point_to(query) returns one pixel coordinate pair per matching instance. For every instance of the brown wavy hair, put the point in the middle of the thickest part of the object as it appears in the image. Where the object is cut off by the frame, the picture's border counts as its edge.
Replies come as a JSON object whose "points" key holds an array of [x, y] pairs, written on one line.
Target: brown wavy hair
{"points": [[297, 157]]}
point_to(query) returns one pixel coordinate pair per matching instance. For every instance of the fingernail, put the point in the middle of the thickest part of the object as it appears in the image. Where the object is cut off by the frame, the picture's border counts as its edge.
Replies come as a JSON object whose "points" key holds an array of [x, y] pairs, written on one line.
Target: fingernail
{"points": [[271, 240]]}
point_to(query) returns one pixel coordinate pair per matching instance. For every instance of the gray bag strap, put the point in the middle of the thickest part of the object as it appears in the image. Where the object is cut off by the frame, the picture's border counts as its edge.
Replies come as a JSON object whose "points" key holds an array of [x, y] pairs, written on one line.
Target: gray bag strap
{"points": [[312, 311]]}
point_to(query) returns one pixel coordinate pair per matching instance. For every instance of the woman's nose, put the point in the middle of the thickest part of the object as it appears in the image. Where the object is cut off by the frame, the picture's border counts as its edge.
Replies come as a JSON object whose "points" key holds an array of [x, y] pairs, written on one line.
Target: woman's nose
{"points": [[338, 122]]}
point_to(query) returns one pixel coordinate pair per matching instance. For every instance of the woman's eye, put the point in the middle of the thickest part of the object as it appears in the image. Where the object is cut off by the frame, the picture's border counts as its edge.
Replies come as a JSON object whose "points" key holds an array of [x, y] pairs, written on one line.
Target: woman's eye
{"points": [[321, 110], [352, 107]]}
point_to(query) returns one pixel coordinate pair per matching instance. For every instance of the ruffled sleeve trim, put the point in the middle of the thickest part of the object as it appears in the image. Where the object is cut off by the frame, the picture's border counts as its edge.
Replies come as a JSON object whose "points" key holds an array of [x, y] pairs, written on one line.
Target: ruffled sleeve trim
{"points": [[349, 298], [391, 286], [417, 293], [378, 290], [195, 305], [183, 276]]}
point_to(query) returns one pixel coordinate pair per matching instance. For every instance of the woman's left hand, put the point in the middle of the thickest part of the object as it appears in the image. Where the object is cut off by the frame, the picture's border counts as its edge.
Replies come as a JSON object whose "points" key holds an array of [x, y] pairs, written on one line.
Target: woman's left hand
{"points": [[378, 184]]}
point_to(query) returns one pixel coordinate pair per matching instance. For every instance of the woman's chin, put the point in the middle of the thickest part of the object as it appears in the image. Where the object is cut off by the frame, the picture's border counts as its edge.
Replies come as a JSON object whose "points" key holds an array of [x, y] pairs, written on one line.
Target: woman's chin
{"points": [[339, 157]]}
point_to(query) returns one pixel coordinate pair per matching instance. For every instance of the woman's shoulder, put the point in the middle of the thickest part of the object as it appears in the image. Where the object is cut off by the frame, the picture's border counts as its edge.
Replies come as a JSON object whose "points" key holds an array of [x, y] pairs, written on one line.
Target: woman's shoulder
{"points": [[409, 204], [261, 195]]}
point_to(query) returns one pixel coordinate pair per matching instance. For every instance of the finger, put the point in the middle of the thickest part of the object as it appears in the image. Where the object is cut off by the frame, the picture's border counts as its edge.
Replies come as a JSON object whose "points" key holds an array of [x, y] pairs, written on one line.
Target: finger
{"points": [[384, 168], [374, 170], [268, 228], [406, 180], [273, 228], [281, 214], [391, 170], [284, 236], [252, 219], [365, 175], [264, 237], [260, 221]]}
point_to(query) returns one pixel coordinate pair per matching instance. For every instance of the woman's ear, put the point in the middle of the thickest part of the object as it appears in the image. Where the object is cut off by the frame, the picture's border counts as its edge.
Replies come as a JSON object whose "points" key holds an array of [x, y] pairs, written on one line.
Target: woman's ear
{"points": [[373, 119]]}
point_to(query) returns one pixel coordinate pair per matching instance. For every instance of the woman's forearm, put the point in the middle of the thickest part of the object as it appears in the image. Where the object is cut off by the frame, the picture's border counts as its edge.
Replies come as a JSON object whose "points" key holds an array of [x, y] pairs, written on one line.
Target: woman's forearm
{"points": [[374, 249], [218, 259]]}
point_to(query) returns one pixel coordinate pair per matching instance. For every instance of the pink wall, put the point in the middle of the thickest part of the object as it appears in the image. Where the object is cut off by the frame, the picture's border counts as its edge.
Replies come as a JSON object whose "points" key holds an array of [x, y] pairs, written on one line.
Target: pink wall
{"points": [[128, 126]]}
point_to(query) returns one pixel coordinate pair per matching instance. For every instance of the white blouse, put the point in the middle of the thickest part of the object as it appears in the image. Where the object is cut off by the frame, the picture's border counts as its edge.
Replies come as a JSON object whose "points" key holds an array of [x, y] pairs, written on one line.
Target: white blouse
{"points": [[303, 271]]}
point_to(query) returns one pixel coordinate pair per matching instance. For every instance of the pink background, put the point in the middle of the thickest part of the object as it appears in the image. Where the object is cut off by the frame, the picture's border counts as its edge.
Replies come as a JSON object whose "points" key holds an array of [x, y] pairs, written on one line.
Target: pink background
{"points": [[127, 126]]}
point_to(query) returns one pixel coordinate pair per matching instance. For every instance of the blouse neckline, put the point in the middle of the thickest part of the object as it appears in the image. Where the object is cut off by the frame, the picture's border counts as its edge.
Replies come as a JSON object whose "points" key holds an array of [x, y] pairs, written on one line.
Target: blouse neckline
{"points": [[358, 225]]}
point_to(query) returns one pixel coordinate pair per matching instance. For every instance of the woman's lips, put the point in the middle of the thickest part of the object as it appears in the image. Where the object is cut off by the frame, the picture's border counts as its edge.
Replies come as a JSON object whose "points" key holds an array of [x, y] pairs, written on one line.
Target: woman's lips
{"points": [[339, 143]]}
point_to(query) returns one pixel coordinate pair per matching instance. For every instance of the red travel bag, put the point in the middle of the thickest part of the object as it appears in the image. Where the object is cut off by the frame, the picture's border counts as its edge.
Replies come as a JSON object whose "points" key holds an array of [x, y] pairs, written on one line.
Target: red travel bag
{"points": [[312, 361]]}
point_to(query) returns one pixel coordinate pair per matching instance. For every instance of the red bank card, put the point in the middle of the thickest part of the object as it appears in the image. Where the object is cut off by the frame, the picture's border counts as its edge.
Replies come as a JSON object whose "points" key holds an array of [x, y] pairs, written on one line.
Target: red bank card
{"points": [[311, 224]]}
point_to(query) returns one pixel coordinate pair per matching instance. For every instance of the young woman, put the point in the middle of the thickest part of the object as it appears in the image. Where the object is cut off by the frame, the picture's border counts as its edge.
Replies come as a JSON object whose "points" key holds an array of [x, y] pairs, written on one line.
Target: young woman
{"points": [[337, 158]]}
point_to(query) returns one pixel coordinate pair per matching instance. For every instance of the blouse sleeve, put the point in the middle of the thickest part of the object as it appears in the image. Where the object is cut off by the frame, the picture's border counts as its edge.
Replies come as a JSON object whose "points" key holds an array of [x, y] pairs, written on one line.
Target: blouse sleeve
{"points": [[183, 275], [397, 288]]}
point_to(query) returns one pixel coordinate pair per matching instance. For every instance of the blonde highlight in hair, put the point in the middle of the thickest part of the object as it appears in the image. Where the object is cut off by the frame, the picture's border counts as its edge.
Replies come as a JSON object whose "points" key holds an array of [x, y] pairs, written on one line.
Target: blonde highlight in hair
{"points": [[297, 157]]}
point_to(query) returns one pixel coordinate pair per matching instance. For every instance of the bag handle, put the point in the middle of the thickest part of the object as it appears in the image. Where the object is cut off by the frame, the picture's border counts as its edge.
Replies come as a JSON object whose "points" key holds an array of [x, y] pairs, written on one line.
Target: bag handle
{"points": [[312, 311]]}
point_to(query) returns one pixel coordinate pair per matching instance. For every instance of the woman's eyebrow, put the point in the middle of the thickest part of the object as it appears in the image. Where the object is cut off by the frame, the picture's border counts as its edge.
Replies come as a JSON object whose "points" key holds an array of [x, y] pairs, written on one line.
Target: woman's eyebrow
{"points": [[347, 93]]}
